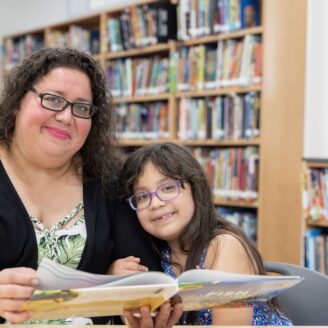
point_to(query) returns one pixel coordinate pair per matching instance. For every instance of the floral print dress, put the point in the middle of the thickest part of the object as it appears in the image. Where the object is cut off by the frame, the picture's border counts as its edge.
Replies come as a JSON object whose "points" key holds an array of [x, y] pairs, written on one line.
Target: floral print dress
{"points": [[64, 244], [263, 315]]}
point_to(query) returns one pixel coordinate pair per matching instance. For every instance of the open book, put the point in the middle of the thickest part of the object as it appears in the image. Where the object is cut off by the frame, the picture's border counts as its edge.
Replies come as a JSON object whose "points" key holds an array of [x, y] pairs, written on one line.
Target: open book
{"points": [[65, 292]]}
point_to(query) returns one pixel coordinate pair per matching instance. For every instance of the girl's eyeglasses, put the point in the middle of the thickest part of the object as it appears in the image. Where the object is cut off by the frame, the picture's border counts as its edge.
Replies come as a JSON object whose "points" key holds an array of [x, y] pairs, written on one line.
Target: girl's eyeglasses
{"points": [[167, 191]]}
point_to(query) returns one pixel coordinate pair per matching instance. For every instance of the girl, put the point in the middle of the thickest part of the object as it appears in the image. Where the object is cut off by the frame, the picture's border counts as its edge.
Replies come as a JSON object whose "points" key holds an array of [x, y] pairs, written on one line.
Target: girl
{"points": [[170, 193]]}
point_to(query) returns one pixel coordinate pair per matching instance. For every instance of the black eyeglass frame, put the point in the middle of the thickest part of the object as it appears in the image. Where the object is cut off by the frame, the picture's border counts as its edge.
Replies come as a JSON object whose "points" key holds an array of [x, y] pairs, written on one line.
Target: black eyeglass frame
{"points": [[155, 193], [41, 95]]}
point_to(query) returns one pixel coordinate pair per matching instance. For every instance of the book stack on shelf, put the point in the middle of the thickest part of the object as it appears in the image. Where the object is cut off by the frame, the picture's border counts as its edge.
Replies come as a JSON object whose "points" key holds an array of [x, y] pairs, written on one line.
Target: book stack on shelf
{"points": [[315, 205], [17, 48], [141, 26], [81, 34]]}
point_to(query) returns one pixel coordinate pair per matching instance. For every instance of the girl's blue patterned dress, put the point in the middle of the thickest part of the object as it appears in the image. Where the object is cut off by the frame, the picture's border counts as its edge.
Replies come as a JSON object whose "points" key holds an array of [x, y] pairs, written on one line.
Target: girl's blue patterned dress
{"points": [[263, 315]]}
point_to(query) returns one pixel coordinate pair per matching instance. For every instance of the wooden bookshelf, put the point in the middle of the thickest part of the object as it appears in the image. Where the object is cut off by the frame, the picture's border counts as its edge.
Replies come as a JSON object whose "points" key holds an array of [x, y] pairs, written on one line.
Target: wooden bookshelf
{"points": [[157, 48], [323, 223], [224, 36], [315, 214], [232, 203], [219, 91], [283, 30], [138, 99], [207, 143], [317, 164], [284, 39]]}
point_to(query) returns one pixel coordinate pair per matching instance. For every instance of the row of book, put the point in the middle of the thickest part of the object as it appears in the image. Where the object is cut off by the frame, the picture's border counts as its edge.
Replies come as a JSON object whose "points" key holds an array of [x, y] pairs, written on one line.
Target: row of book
{"points": [[244, 218], [142, 121], [315, 193], [316, 250], [204, 17], [227, 63], [15, 50], [76, 37], [138, 77], [142, 26], [230, 117], [232, 172]]}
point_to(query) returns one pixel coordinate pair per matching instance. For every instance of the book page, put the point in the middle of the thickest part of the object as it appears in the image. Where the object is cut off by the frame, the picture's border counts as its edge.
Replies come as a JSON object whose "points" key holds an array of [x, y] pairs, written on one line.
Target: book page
{"points": [[71, 293], [205, 275], [93, 302], [56, 276], [201, 289]]}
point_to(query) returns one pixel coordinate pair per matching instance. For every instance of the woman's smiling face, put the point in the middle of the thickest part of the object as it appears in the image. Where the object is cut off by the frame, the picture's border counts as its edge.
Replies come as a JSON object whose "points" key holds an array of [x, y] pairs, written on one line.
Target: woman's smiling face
{"points": [[47, 134]]}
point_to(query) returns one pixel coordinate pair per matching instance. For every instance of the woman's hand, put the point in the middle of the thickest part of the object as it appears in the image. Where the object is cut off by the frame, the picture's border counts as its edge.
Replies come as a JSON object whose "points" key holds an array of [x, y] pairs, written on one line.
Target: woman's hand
{"points": [[128, 265], [165, 317], [16, 287]]}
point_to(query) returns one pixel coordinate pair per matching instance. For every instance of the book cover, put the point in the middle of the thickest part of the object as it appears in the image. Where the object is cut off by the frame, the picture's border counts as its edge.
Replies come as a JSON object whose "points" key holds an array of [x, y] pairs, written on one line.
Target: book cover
{"points": [[250, 13], [66, 292], [166, 21]]}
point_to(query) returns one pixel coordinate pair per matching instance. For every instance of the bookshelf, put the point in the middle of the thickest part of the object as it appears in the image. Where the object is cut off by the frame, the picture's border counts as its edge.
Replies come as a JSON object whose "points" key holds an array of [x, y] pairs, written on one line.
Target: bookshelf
{"points": [[315, 214], [277, 205]]}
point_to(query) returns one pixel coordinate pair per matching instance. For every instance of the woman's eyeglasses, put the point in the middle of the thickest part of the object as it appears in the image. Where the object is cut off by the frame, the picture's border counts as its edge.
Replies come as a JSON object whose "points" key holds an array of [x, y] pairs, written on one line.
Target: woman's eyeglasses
{"points": [[57, 104], [167, 191]]}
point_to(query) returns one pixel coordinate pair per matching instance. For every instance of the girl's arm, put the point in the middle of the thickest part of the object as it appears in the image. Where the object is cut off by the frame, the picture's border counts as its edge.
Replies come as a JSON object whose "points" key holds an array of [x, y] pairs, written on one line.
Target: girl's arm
{"points": [[226, 253], [128, 265]]}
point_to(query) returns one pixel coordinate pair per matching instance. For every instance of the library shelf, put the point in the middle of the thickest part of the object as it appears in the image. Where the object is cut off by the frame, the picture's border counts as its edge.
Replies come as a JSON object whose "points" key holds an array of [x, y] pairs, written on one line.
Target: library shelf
{"points": [[321, 223], [219, 91], [156, 48], [223, 36], [281, 109], [232, 203], [140, 99]]}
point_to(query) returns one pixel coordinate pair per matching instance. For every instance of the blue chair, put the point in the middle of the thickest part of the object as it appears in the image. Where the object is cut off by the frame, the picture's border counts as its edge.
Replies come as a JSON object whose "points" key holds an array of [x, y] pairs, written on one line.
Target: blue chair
{"points": [[306, 304]]}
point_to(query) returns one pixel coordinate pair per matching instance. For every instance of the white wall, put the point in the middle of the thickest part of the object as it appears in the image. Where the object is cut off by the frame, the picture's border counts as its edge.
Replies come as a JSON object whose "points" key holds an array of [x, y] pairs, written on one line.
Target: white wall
{"points": [[316, 95], [17, 16]]}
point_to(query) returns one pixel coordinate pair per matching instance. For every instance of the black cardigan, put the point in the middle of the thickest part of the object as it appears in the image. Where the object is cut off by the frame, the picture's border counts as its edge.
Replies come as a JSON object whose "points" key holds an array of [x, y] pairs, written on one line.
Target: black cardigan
{"points": [[113, 231]]}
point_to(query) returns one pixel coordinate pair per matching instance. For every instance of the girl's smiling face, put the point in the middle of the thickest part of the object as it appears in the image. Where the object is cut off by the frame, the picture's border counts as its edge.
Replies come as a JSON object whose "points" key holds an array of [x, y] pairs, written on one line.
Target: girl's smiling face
{"points": [[164, 219]]}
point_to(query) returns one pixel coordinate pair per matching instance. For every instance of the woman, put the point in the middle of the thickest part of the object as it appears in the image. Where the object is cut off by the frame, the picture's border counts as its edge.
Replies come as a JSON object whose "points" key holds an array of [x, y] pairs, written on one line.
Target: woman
{"points": [[58, 176]]}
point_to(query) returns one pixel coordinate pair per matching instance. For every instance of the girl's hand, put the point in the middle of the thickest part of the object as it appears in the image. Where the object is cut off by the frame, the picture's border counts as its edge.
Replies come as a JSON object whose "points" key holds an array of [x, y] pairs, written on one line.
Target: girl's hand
{"points": [[16, 287], [165, 317], [128, 265]]}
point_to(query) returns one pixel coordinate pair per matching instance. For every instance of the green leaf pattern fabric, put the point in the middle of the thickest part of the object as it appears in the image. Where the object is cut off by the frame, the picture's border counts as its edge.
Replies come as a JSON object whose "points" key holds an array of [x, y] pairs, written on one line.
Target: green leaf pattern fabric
{"points": [[63, 245]]}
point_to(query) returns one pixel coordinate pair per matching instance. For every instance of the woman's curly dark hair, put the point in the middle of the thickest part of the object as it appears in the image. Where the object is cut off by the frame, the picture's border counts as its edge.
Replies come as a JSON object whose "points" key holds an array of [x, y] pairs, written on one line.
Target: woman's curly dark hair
{"points": [[100, 159]]}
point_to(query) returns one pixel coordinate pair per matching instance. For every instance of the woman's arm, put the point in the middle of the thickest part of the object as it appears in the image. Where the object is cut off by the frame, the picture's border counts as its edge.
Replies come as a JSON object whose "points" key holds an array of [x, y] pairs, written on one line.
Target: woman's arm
{"points": [[16, 287]]}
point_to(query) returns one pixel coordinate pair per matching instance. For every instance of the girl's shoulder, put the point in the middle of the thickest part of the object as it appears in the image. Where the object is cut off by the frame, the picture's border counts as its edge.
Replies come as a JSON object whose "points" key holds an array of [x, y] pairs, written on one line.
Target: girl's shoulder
{"points": [[226, 252], [223, 241]]}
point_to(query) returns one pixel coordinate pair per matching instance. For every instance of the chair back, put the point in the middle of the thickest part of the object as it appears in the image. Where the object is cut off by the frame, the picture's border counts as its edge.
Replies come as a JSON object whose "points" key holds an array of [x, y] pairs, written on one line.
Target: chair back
{"points": [[306, 304]]}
